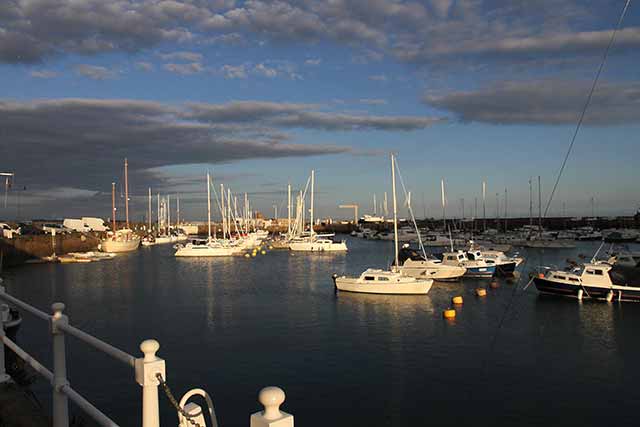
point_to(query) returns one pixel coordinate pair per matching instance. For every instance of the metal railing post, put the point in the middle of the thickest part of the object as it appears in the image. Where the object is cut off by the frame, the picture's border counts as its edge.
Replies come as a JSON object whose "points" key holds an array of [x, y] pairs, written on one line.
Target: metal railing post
{"points": [[147, 368], [271, 398], [4, 316], [60, 400]]}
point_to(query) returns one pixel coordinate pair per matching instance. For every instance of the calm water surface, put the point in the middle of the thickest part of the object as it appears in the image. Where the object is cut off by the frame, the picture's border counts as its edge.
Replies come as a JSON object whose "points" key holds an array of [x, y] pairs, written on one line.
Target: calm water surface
{"points": [[233, 325]]}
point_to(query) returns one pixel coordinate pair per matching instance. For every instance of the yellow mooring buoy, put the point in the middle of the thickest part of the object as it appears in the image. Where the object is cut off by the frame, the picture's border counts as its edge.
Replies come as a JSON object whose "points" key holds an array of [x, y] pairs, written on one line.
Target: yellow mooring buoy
{"points": [[263, 252], [449, 313], [457, 300], [247, 255], [481, 292]]}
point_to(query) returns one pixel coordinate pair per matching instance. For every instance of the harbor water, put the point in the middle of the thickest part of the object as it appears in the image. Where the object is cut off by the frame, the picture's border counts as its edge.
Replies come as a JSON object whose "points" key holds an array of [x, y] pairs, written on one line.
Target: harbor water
{"points": [[234, 325]]}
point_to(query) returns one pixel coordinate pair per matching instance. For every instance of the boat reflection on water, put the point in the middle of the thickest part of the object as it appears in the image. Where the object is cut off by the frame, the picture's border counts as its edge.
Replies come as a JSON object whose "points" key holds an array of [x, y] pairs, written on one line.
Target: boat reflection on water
{"points": [[397, 306]]}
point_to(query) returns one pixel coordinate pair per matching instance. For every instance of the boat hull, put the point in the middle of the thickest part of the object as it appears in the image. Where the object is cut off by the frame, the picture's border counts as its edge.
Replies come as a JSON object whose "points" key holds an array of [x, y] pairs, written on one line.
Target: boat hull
{"points": [[205, 252], [506, 269], [316, 247], [480, 272], [117, 246], [348, 284], [442, 274], [620, 293]]}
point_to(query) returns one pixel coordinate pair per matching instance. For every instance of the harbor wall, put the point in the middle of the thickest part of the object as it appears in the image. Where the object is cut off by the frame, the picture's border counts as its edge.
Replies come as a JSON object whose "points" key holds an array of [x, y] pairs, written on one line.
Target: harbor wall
{"points": [[18, 250]]}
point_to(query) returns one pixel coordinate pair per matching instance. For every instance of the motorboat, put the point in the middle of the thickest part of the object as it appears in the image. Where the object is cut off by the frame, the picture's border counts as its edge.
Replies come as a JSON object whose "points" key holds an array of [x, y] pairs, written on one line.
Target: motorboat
{"points": [[595, 280], [377, 281], [478, 268], [416, 264], [505, 265]]}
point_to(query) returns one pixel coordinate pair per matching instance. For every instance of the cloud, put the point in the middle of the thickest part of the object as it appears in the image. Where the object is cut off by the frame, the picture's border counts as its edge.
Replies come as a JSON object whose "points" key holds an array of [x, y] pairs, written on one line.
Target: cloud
{"points": [[43, 74], [546, 102], [90, 137], [234, 71], [184, 69], [313, 61], [144, 66], [230, 39], [265, 71], [290, 115], [95, 72], [369, 101], [181, 56]]}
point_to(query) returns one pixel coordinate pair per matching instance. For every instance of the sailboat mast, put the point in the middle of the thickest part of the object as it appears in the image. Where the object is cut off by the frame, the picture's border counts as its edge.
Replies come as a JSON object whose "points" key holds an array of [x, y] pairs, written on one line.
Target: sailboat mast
{"points": [[209, 205], [444, 212], [178, 210], [113, 206], [223, 212], [126, 191], [505, 210], [530, 202], [168, 213], [539, 207], [149, 213], [484, 205], [158, 213], [289, 210], [313, 177], [395, 211]]}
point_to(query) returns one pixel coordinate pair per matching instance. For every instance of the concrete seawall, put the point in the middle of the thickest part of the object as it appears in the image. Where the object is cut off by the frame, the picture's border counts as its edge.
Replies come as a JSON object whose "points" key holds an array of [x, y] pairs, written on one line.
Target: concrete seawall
{"points": [[22, 248]]}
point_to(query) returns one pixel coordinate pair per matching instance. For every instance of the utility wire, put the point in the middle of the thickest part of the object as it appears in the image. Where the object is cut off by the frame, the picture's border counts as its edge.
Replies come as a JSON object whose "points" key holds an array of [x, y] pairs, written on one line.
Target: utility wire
{"points": [[586, 105]]}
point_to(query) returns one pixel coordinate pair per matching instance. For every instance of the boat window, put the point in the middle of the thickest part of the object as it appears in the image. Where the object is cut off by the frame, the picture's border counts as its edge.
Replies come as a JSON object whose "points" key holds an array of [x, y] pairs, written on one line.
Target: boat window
{"points": [[573, 279], [460, 257], [383, 279], [370, 278], [590, 272], [598, 272], [561, 277], [471, 257], [451, 258]]}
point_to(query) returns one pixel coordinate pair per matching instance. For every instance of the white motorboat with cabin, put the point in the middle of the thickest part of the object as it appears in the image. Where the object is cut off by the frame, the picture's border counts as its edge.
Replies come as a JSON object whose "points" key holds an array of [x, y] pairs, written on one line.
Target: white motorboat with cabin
{"points": [[376, 281], [416, 263], [478, 268]]}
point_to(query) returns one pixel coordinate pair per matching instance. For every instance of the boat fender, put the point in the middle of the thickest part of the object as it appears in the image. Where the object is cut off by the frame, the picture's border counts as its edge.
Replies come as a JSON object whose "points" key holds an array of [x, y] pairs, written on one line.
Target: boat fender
{"points": [[609, 296]]}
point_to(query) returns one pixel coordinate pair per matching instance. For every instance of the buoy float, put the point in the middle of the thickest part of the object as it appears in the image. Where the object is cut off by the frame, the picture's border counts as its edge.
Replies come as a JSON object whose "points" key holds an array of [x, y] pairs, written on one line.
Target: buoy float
{"points": [[270, 247], [449, 313], [247, 256], [481, 292], [457, 300], [494, 285], [263, 252], [541, 276], [253, 254]]}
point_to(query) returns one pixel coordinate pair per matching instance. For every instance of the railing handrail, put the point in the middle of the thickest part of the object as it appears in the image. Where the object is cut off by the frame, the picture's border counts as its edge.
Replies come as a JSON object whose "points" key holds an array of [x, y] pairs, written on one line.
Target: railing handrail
{"points": [[37, 366], [23, 305], [57, 378], [97, 343]]}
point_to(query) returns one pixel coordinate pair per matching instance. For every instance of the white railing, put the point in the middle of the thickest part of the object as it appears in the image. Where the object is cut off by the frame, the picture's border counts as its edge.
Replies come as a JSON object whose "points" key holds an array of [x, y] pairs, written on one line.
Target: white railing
{"points": [[149, 369]]}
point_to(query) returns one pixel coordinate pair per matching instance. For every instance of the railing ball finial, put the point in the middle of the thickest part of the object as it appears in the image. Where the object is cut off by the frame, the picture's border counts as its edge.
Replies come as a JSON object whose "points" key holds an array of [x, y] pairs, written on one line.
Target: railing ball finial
{"points": [[57, 308], [149, 348], [271, 398]]}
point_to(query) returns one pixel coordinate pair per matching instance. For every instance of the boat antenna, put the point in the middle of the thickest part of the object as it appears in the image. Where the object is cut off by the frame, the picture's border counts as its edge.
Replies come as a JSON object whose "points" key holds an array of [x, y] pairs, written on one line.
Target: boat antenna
{"points": [[586, 105], [593, 260]]}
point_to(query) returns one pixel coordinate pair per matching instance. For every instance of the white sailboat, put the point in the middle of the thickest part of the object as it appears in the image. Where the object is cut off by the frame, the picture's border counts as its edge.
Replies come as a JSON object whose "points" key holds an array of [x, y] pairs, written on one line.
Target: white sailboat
{"points": [[376, 281], [124, 240], [316, 242], [209, 247]]}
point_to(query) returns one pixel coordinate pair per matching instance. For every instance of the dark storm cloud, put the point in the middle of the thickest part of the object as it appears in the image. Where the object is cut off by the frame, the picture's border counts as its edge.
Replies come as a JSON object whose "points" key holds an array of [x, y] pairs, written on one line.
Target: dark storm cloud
{"points": [[420, 32], [300, 116], [81, 142], [549, 102]]}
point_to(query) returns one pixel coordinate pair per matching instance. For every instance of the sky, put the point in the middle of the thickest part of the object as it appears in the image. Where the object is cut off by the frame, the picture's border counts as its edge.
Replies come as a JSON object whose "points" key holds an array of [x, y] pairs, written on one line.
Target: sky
{"points": [[260, 92]]}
